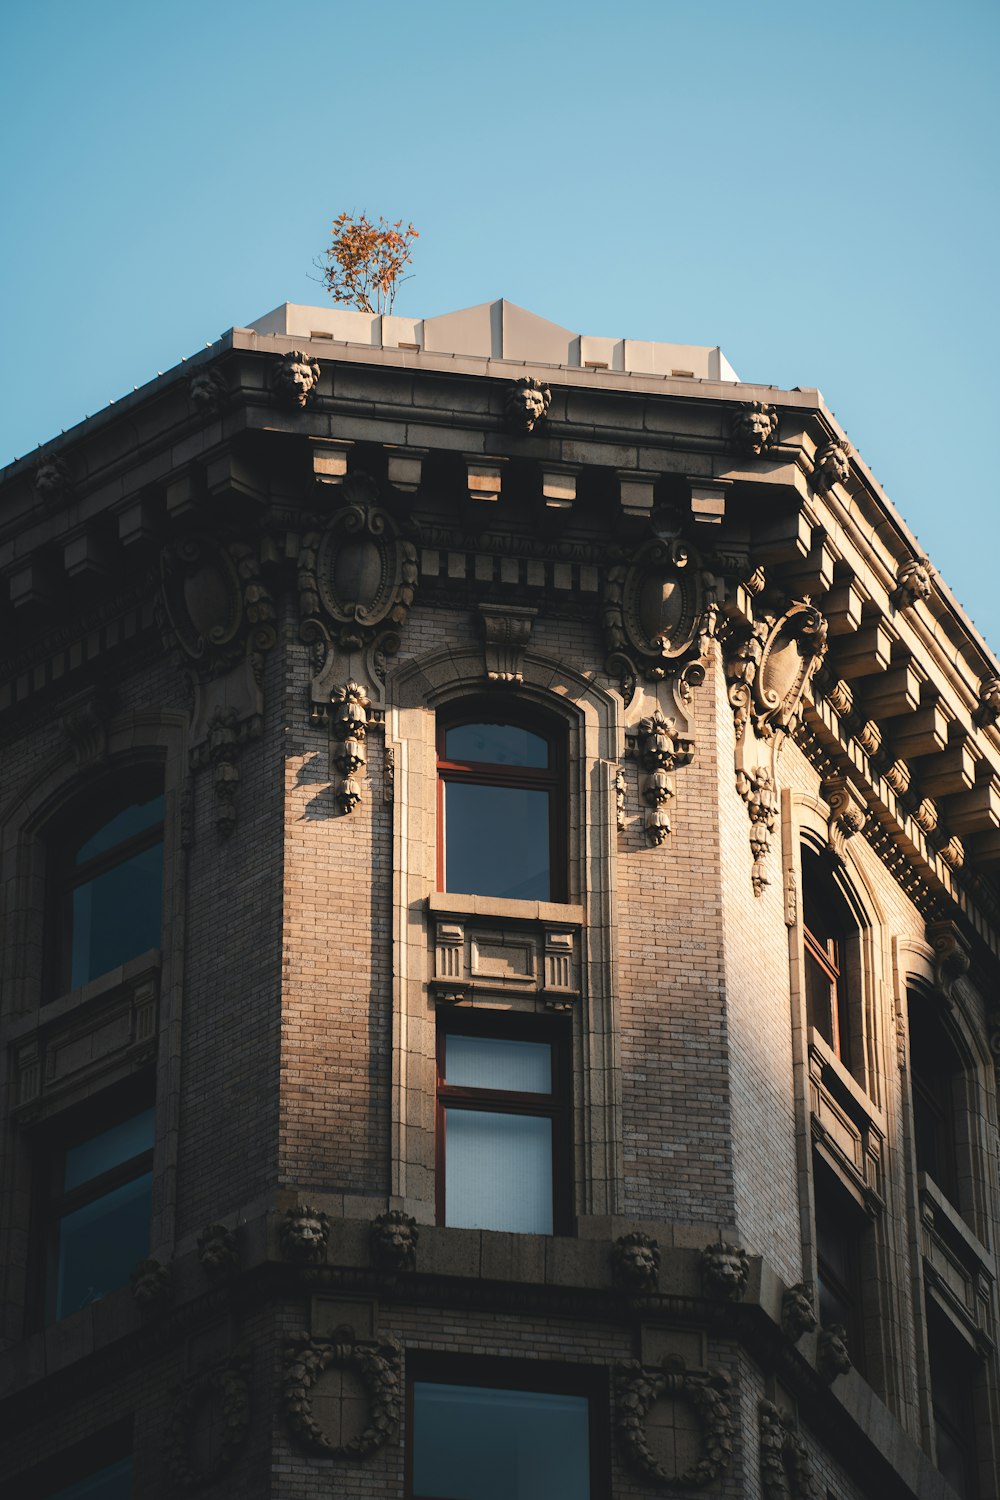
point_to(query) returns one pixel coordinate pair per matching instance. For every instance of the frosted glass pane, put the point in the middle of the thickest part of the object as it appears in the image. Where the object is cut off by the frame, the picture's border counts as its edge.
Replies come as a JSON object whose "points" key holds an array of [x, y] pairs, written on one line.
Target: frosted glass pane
{"points": [[487, 1062], [496, 841], [501, 744], [477, 1443], [101, 1243], [109, 1149], [498, 1171]]}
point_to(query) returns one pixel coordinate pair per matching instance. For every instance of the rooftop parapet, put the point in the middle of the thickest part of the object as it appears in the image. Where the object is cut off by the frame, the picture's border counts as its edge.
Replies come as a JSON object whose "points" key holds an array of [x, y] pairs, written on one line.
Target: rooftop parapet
{"points": [[498, 330]]}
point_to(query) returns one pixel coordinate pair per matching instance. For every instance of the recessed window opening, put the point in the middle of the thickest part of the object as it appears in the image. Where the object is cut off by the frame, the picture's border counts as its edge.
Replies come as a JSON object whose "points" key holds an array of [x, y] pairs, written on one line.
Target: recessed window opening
{"points": [[935, 1083], [840, 1231], [99, 1210], [953, 1369], [501, 805], [109, 882], [503, 1121], [826, 929]]}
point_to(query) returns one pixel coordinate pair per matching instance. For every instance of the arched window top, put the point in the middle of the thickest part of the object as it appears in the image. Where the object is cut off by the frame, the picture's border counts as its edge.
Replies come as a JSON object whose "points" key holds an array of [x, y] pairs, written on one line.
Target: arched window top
{"points": [[501, 801], [106, 878]]}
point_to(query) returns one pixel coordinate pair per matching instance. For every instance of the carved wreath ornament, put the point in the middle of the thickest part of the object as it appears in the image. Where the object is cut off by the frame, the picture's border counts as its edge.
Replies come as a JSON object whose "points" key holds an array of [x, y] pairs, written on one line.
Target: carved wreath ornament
{"points": [[228, 1385], [785, 1472], [378, 1365], [707, 1391], [357, 578]]}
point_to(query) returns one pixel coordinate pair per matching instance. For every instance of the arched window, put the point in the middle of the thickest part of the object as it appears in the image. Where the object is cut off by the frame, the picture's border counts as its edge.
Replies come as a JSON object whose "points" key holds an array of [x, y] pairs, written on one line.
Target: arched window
{"points": [[827, 927], [107, 881], [501, 803], [935, 1082]]}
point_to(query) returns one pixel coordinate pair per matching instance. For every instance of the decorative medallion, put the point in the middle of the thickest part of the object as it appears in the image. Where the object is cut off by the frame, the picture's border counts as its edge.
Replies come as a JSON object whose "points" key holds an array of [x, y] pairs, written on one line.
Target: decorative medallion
{"points": [[357, 578], [635, 1262], [654, 612], [216, 605], [526, 404], [294, 377], [378, 1367], [753, 427], [227, 1389], [707, 1391], [785, 1472]]}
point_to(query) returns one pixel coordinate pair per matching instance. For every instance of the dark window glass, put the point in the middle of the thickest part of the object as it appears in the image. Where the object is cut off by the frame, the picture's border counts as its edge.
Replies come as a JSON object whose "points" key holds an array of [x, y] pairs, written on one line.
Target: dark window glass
{"points": [[483, 1443], [99, 1217], [840, 1225], [934, 1078], [114, 1482], [111, 885], [501, 812], [953, 1371], [502, 1127]]}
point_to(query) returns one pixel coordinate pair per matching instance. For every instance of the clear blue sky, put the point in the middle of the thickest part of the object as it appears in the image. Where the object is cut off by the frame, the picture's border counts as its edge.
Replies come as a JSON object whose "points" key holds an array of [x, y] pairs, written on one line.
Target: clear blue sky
{"points": [[814, 187]]}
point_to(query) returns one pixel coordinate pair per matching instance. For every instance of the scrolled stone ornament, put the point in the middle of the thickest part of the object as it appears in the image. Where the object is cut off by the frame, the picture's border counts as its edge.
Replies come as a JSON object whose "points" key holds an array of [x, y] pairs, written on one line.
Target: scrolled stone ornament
{"points": [[304, 1232], [832, 465], [294, 377], [753, 427], [635, 1262], [798, 1315], [393, 1241], [526, 403], [725, 1269]]}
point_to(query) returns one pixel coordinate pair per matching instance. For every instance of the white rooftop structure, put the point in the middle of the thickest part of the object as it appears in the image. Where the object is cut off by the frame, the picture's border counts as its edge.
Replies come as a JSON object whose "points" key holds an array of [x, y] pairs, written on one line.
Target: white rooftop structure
{"points": [[497, 330]]}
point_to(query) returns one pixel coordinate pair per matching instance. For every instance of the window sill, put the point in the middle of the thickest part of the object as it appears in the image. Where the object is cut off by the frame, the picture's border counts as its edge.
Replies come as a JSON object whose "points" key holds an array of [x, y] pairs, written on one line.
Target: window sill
{"points": [[858, 1104], [97, 989], [940, 1214], [455, 904]]}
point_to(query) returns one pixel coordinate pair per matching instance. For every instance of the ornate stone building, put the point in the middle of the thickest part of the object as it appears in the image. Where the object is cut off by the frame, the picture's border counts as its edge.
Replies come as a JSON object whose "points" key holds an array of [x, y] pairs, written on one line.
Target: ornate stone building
{"points": [[501, 965]]}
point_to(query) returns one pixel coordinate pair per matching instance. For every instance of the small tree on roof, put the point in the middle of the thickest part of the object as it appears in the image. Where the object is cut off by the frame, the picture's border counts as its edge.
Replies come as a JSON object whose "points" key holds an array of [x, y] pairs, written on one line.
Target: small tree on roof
{"points": [[365, 261]]}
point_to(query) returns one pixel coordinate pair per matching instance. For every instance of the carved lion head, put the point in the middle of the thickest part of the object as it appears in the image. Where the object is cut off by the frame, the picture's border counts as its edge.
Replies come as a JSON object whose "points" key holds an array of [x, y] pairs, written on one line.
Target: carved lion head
{"points": [[527, 402], [294, 377], [725, 1269], [636, 1261], [832, 466], [754, 426], [217, 1249], [304, 1233], [393, 1240], [797, 1314], [150, 1282]]}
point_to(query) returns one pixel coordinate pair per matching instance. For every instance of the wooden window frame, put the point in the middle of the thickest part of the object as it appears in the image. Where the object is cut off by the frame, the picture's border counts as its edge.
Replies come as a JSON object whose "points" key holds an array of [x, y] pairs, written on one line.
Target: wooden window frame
{"points": [[826, 947], [551, 779], [556, 1105], [490, 1372]]}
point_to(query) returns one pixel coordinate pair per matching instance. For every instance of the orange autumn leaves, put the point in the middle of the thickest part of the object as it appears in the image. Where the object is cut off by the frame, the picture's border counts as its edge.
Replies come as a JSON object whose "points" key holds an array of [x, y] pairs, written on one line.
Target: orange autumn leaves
{"points": [[365, 261]]}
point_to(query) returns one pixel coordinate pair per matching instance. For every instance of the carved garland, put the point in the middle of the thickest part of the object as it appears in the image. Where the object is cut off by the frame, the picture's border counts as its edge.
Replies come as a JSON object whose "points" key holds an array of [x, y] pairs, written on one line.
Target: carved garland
{"points": [[661, 752], [639, 1389], [230, 1383], [350, 729], [379, 1367], [785, 1472]]}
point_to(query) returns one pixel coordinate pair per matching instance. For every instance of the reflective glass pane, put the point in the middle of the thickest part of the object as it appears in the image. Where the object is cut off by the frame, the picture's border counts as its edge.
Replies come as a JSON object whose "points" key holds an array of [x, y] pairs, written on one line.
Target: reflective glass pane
{"points": [[101, 1243], [477, 1443], [111, 1483], [116, 916], [110, 1148], [489, 1062], [501, 744], [496, 841], [498, 1171], [124, 825]]}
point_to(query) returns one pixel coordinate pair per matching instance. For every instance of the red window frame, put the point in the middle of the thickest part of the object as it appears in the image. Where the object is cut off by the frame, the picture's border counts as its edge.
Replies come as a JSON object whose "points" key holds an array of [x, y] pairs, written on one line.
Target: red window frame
{"points": [[823, 934], [556, 1105], [488, 773]]}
